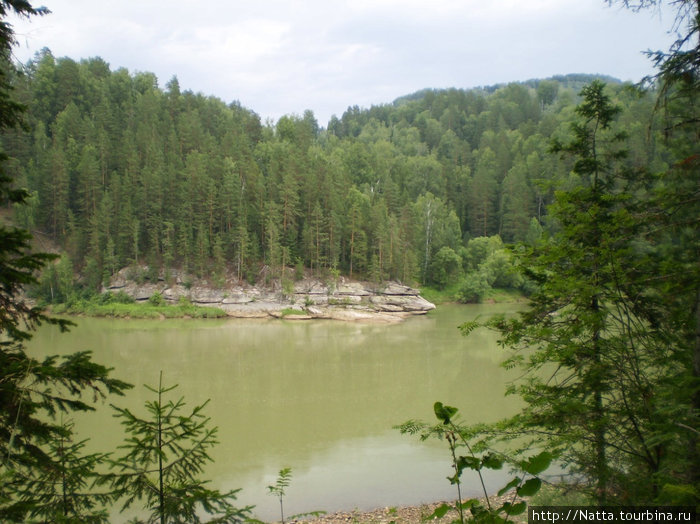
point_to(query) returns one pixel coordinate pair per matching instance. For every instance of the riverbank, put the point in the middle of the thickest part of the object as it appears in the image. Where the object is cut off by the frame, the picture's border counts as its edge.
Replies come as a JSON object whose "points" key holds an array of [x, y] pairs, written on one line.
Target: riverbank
{"points": [[450, 295], [337, 298], [109, 305], [401, 514], [386, 515], [549, 495]]}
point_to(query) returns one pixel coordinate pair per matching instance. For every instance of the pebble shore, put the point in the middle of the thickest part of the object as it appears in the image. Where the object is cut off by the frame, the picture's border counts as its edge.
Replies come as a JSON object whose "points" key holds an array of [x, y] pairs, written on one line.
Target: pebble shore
{"points": [[399, 515]]}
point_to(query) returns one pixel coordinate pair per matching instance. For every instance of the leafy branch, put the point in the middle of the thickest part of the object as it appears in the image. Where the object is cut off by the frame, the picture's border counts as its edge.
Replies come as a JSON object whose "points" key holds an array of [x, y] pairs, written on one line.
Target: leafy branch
{"points": [[456, 437]]}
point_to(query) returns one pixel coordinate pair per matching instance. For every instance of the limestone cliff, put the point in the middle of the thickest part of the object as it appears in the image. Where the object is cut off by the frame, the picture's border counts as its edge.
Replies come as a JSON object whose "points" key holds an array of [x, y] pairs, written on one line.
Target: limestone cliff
{"points": [[339, 298]]}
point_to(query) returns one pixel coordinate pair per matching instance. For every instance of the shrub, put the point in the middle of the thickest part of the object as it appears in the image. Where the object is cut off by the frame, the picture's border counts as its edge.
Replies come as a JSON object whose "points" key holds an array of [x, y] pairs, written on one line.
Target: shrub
{"points": [[122, 298], [156, 299], [500, 271], [299, 270], [287, 287], [473, 288], [446, 266], [478, 250]]}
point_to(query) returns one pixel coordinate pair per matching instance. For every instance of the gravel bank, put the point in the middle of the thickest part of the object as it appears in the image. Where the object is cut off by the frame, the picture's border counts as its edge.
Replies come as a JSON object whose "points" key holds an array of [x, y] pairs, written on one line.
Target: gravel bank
{"points": [[398, 515]]}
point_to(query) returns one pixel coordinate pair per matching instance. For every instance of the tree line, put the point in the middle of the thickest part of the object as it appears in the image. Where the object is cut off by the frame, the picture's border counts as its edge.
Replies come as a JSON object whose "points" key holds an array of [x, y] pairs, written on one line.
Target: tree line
{"points": [[122, 172], [609, 344]]}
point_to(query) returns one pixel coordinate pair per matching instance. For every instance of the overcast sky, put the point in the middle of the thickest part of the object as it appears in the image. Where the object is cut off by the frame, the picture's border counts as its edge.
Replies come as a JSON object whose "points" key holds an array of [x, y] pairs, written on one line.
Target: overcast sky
{"points": [[280, 57]]}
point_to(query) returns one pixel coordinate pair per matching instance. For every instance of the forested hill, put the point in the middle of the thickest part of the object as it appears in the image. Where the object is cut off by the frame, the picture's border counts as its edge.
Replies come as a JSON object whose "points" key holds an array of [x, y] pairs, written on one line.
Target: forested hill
{"points": [[572, 81], [122, 172]]}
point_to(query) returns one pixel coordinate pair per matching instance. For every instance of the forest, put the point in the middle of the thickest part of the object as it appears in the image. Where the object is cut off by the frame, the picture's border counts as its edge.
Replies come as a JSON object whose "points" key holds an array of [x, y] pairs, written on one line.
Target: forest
{"points": [[580, 192], [122, 172]]}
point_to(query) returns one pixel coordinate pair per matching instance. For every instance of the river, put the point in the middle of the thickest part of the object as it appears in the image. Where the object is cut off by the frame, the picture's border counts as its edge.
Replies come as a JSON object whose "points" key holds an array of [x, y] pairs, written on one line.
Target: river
{"points": [[320, 397]]}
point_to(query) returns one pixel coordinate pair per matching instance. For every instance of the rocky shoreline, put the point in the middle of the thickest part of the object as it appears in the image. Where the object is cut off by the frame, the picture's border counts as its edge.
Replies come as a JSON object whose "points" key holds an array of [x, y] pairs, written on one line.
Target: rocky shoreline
{"points": [[305, 299], [403, 514]]}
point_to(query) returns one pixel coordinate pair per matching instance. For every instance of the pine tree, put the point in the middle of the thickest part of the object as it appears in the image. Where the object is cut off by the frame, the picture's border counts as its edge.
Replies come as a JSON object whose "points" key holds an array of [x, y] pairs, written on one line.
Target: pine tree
{"points": [[380, 256], [516, 205], [408, 270], [273, 247], [482, 195], [316, 238], [356, 238]]}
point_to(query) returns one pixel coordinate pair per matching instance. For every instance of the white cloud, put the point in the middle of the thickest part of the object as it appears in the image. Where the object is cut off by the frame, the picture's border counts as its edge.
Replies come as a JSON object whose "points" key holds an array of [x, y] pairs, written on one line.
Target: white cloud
{"points": [[280, 56], [239, 44]]}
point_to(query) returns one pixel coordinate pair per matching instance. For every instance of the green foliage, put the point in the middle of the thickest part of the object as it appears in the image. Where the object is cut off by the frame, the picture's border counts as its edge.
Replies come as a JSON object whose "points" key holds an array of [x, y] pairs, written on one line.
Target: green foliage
{"points": [[679, 495], [181, 180], [120, 297], [457, 437], [440, 296], [560, 495], [164, 454], [445, 267], [56, 284], [64, 491], [32, 391], [534, 232], [291, 311], [287, 288], [473, 288], [156, 299], [500, 272], [593, 344], [489, 264], [284, 478], [478, 250], [58, 386], [278, 490], [121, 172], [299, 271], [673, 268], [125, 307]]}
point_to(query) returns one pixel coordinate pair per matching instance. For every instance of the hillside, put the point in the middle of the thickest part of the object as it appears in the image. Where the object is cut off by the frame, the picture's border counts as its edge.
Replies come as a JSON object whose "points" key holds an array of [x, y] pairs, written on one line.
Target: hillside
{"points": [[125, 173]]}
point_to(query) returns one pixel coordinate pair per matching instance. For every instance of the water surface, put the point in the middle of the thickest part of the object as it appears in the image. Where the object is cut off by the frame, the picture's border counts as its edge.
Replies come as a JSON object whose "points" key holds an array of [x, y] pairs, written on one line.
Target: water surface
{"points": [[319, 396]]}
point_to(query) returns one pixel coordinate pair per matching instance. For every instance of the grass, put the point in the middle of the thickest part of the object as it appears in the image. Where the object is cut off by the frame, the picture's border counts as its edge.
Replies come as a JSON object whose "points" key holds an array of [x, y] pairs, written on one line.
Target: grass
{"points": [[440, 296], [503, 296], [450, 293], [559, 495], [290, 311], [137, 310], [344, 302]]}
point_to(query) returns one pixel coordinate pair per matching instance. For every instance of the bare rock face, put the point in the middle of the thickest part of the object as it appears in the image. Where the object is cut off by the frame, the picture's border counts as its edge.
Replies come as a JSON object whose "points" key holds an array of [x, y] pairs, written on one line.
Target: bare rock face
{"points": [[392, 288], [340, 298], [352, 289], [408, 303]]}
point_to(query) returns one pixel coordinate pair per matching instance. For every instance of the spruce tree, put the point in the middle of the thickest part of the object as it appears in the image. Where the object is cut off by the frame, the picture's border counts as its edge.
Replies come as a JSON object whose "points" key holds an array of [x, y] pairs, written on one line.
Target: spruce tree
{"points": [[32, 391], [591, 361], [673, 269], [64, 490], [165, 452]]}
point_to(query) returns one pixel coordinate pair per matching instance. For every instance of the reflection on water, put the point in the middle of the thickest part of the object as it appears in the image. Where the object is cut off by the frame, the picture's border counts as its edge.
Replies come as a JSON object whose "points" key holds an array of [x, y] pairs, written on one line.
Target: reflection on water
{"points": [[321, 397]]}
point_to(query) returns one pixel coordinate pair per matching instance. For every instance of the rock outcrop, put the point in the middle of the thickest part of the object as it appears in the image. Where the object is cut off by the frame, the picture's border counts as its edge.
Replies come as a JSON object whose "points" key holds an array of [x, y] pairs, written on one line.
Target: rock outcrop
{"points": [[340, 299]]}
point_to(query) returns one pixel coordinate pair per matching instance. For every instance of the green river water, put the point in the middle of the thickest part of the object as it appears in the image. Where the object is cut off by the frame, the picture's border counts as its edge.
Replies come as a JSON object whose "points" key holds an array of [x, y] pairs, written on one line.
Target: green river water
{"points": [[320, 397]]}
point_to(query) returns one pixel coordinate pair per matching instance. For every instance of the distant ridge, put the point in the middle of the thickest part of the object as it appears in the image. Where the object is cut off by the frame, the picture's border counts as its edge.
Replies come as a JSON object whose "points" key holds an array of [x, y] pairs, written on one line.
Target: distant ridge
{"points": [[575, 81]]}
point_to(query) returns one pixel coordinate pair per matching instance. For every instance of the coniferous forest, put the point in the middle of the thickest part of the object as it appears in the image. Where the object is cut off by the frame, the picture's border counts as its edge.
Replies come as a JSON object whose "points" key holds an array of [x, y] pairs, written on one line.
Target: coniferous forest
{"points": [[122, 171], [578, 191]]}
